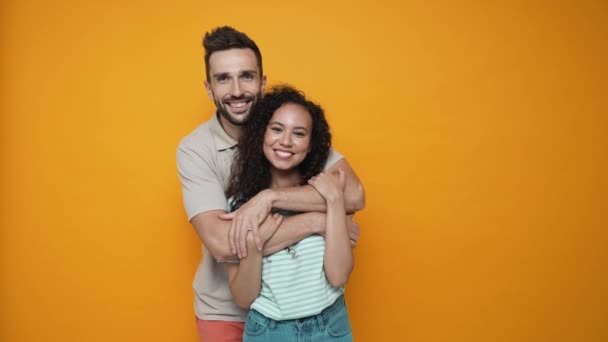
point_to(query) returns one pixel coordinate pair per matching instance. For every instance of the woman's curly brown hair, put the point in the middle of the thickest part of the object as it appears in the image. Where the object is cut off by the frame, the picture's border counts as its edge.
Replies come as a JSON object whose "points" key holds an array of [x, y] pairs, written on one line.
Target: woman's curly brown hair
{"points": [[250, 172]]}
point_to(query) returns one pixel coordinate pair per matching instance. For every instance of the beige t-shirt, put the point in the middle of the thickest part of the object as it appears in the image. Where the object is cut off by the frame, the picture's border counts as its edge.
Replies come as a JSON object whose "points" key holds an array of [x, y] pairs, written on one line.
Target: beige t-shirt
{"points": [[204, 158]]}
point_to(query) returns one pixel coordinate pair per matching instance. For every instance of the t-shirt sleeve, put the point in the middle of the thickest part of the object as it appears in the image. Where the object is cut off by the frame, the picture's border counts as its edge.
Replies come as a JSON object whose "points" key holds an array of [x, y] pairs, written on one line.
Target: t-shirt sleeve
{"points": [[333, 157], [201, 188]]}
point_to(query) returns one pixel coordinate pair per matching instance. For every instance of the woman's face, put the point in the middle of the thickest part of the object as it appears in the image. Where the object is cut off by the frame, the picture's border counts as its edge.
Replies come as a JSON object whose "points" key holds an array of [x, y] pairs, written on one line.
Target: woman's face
{"points": [[287, 137]]}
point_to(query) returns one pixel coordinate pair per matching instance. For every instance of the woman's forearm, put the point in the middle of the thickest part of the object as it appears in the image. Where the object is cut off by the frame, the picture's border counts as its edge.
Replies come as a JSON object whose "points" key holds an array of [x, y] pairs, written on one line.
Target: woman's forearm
{"points": [[246, 277], [338, 261]]}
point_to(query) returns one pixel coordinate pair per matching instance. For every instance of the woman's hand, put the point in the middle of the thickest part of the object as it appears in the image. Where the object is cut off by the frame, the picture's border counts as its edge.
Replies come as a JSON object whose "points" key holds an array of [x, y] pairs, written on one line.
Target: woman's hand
{"points": [[330, 186], [338, 258], [247, 218]]}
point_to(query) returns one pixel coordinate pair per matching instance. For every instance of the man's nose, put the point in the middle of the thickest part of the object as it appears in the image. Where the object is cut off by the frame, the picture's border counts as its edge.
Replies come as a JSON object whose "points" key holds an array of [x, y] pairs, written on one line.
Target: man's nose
{"points": [[236, 89]]}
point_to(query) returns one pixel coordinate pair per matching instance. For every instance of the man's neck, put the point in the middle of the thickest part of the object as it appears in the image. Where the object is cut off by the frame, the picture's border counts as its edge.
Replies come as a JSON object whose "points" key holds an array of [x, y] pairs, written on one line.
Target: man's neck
{"points": [[231, 129]]}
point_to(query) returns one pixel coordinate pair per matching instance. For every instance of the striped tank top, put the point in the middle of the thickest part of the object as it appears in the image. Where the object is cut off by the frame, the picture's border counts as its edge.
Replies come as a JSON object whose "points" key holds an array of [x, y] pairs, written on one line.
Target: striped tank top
{"points": [[293, 282]]}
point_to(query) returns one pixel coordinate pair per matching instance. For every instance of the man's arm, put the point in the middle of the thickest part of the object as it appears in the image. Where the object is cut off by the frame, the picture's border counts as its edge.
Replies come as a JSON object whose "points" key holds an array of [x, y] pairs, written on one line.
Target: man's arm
{"points": [[303, 225], [294, 229], [302, 198], [213, 231], [306, 198]]}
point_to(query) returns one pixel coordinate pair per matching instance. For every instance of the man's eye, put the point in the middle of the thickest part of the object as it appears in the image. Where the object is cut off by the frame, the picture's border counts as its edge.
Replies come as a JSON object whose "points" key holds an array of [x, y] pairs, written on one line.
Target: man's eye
{"points": [[222, 79], [248, 77]]}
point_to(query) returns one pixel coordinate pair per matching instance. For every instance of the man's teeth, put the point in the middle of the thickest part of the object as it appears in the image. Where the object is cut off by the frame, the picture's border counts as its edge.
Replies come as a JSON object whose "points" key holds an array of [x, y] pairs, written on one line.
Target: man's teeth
{"points": [[237, 104]]}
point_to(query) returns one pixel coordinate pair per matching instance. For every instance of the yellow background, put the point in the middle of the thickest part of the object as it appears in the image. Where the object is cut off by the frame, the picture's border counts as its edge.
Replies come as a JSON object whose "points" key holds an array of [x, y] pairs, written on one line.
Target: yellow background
{"points": [[478, 128]]}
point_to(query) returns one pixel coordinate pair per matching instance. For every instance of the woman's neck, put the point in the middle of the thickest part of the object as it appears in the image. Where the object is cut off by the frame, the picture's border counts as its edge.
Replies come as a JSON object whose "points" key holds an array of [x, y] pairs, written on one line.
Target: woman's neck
{"points": [[284, 178]]}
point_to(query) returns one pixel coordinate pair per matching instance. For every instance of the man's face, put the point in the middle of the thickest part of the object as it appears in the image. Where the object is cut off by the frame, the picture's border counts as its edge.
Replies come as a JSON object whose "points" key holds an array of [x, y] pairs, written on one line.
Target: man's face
{"points": [[235, 83]]}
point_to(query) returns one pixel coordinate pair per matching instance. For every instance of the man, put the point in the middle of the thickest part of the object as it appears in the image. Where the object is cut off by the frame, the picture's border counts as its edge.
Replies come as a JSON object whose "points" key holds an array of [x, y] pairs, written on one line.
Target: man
{"points": [[235, 81]]}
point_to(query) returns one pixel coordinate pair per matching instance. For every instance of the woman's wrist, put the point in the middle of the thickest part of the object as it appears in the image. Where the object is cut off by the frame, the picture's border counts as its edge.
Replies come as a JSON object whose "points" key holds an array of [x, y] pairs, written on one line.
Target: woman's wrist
{"points": [[335, 199], [269, 197], [251, 247]]}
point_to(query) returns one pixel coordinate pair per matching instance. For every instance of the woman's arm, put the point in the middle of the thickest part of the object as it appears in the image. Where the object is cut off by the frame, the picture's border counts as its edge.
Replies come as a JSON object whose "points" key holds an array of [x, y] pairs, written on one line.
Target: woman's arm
{"points": [[245, 278], [300, 198], [338, 260]]}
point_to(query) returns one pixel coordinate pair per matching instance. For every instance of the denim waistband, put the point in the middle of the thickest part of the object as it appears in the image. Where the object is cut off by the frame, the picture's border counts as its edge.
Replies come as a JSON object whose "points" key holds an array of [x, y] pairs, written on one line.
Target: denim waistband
{"points": [[322, 318]]}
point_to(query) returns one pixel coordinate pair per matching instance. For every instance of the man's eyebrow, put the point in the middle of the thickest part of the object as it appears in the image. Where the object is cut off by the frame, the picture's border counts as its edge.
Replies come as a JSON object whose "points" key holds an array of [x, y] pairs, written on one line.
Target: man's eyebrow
{"points": [[220, 74], [227, 74]]}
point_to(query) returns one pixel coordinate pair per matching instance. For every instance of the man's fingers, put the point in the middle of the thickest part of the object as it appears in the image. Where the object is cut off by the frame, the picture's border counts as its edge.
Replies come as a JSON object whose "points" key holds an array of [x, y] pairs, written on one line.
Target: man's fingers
{"points": [[354, 237], [356, 228], [353, 232]]}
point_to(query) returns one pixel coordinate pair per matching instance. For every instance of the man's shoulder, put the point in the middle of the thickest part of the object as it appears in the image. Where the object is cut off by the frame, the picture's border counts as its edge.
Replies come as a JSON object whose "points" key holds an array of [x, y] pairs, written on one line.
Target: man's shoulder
{"points": [[199, 138]]}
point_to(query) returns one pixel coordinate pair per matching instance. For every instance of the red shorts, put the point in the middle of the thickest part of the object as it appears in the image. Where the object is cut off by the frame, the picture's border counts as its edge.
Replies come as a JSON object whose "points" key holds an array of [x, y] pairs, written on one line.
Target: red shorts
{"points": [[219, 331]]}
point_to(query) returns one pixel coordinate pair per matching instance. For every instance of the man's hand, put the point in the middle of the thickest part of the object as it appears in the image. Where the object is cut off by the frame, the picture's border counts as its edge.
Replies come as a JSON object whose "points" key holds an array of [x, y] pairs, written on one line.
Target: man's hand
{"points": [[353, 230], [247, 218]]}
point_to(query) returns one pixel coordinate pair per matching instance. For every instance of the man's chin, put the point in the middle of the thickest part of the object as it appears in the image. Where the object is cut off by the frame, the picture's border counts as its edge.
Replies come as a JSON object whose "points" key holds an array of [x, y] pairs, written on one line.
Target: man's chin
{"points": [[239, 119]]}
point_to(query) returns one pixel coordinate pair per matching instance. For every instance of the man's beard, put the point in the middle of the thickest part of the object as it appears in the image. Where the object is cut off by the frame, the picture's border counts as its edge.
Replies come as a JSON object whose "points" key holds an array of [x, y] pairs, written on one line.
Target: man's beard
{"points": [[234, 119]]}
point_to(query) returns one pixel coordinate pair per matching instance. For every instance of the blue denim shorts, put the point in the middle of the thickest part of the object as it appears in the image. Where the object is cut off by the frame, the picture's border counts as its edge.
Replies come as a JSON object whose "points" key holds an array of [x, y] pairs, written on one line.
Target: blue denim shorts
{"points": [[331, 324]]}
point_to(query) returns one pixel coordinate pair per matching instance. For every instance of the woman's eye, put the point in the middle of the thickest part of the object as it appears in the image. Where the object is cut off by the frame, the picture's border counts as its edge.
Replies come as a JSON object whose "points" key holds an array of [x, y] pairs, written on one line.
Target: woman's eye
{"points": [[275, 129]]}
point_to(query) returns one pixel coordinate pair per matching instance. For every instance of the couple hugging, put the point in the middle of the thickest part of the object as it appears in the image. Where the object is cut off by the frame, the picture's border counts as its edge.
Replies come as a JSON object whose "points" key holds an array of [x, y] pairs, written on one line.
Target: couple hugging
{"points": [[272, 203]]}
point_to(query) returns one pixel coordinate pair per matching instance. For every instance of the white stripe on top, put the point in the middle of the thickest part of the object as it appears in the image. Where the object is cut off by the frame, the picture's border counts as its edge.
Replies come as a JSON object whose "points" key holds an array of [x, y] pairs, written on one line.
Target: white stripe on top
{"points": [[294, 283]]}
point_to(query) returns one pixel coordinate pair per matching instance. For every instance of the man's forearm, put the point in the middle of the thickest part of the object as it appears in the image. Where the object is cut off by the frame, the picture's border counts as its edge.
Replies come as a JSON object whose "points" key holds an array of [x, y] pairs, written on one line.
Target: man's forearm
{"points": [[294, 229], [301, 198], [213, 232], [306, 198]]}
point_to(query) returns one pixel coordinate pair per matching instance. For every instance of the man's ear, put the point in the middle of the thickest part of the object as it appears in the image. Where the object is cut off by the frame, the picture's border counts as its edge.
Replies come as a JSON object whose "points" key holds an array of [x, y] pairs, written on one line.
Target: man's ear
{"points": [[263, 85], [208, 89]]}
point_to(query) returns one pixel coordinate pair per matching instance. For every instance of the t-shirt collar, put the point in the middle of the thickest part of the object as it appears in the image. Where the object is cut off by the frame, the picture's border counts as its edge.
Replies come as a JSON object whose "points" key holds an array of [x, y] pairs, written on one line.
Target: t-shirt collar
{"points": [[222, 140]]}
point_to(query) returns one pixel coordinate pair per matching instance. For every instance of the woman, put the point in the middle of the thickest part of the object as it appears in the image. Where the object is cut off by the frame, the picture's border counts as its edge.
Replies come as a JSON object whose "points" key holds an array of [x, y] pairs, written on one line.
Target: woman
{"points": [[296, 292]]}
